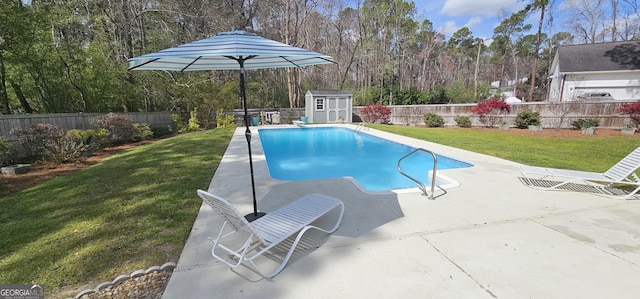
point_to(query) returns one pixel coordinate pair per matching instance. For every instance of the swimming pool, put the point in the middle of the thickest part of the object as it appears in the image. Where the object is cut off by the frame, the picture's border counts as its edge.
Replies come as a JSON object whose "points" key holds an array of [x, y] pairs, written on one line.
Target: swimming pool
{"points": [[332, 152]]}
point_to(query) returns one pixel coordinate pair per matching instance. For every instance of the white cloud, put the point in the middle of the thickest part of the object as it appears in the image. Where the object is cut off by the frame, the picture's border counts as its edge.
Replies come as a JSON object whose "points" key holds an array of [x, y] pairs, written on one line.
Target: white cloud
{"points": [[487, 8], [473, 21], [449, 28]]}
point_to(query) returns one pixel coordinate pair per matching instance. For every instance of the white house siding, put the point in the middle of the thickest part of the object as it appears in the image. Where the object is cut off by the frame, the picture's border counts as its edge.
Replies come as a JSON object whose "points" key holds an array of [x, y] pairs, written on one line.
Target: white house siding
{"points": [[603, 67], [555, 86], [619, 85]]}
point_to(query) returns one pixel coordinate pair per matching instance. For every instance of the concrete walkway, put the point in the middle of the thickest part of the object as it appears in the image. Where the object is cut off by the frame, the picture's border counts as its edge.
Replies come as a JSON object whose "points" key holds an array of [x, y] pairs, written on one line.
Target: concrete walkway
{"points": [[491, 237]]}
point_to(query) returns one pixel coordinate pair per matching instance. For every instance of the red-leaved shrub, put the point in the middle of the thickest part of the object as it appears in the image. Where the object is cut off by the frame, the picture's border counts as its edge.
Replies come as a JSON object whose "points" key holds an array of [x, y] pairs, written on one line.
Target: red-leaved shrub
{"points": [[490, 112], [633, 110], [374, 113]]}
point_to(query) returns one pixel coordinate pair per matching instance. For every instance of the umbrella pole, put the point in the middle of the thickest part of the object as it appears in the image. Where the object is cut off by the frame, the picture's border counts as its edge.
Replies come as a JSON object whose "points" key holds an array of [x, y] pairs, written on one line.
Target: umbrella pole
{"points": [[247, 133]]}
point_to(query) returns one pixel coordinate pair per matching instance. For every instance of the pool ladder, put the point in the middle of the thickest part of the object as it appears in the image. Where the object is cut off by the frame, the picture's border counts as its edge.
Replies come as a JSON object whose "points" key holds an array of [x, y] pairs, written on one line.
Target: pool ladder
{"points": [[433, 174], [361, 127]]}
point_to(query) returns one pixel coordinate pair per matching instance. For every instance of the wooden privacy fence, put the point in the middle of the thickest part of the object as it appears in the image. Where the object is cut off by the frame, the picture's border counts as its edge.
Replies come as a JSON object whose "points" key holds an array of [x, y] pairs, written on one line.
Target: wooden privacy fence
{"points": [[553, 115], [9, 124]]}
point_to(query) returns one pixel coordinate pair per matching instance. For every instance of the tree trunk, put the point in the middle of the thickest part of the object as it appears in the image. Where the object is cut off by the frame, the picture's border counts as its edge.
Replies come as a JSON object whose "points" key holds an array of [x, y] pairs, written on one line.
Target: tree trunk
{"points": [[475, 73], [514, 57], [614, 4], [23, 101], [4, 97], [288, 37], [535, 54]]}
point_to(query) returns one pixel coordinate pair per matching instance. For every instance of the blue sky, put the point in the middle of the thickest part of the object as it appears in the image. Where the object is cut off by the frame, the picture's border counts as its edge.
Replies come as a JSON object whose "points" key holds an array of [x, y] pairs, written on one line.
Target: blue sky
{"points": [[480, 16]]}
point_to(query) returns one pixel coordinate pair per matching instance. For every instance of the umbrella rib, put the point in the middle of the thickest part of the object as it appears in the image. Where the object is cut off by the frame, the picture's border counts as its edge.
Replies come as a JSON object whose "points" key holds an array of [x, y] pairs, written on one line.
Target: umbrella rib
{"points": [[240, 59], [143, 64], [285, 58], [191, 63], [329, 60]]}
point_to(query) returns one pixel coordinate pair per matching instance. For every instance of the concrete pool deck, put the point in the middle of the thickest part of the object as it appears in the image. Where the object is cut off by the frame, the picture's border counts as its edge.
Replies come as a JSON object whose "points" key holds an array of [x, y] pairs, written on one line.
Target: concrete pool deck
{"points": [[491, 237]]}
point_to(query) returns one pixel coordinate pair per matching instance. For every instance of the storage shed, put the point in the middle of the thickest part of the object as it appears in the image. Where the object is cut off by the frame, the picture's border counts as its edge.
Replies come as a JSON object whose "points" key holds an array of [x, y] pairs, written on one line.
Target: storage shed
{"points": [[328, 106]]}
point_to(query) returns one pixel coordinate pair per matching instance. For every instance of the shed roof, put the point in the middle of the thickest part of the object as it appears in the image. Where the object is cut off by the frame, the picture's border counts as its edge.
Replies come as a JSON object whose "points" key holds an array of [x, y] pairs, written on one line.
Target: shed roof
{"points": [[614, 56], [329, 92]]}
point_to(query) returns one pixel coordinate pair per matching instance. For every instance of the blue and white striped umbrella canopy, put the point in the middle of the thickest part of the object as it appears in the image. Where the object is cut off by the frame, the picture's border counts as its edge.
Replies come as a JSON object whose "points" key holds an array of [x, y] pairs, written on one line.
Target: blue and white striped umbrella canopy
{"points": [[226, 51]]}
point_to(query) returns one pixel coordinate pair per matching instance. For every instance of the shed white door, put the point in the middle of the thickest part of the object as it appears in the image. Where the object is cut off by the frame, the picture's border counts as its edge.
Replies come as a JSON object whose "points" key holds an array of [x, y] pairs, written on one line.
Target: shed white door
{"points": [[337, 109]]}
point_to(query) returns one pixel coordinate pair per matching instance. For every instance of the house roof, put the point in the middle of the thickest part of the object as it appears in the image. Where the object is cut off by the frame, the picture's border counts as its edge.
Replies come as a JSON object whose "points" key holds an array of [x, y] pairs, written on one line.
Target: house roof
{"points": [[613, 56]]}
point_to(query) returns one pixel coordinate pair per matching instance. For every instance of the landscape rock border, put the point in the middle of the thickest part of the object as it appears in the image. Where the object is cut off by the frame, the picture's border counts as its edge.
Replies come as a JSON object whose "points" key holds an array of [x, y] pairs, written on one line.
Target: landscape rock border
{"points": [[167, 267], [15, 169]]}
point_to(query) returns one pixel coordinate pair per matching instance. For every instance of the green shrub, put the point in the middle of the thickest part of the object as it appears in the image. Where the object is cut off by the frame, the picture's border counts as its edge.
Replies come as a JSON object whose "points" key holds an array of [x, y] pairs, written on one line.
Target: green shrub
{"points": [[527, 118], [190, 126], [463, 121], [160, 131], [193, 125], [144, 132], [80, 135], [433, 120], [583, 123], [224, 120], [94, 138], [177, 120], [100, 137]]}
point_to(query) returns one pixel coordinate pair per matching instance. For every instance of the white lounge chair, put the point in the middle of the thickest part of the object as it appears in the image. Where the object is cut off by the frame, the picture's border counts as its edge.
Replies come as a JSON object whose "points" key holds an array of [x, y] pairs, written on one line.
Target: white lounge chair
{"points": [[622, 173], [264, 234]]}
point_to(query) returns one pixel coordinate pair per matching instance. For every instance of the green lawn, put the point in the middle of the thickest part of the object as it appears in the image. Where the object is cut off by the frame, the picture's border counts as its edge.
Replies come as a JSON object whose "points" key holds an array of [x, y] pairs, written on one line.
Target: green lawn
{"points": [[595, 153], [131, 211], [136, 209]]}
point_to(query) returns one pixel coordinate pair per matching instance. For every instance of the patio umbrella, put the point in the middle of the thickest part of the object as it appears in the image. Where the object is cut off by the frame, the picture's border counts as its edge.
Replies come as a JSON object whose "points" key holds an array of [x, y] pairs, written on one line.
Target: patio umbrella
{"points": [[234, 50]]}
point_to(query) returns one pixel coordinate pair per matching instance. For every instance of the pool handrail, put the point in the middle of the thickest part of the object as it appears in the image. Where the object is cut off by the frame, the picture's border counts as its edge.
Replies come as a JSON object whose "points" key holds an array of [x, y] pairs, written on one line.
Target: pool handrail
{"points": [[361, 126], [433, 173]]}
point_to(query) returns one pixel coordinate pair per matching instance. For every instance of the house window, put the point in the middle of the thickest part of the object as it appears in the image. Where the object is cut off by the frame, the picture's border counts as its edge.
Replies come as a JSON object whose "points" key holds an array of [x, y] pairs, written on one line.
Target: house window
{"points": [[319, 104]]}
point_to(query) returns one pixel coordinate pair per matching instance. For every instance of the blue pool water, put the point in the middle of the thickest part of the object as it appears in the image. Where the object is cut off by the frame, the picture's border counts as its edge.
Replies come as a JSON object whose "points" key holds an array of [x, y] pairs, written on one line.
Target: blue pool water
{"points": [[331, 152]]}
